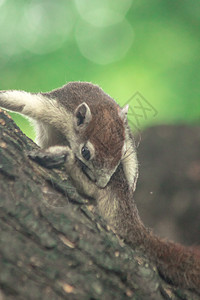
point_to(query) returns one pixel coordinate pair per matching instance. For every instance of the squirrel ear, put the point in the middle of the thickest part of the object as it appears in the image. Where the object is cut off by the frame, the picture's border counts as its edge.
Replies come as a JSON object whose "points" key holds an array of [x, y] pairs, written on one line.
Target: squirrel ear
{"points": [[123, 112], [82, 115]]}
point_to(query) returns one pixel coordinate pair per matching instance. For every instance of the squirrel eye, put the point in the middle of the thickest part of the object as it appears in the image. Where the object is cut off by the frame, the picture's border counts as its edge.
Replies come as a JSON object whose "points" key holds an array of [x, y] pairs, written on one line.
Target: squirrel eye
{"points": [[85, 152]]}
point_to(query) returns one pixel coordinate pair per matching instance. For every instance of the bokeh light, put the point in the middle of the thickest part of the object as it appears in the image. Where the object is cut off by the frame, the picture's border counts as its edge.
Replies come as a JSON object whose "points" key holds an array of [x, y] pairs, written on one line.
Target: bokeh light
{"points": [[104, 46], [46, 25], [103, 13]]}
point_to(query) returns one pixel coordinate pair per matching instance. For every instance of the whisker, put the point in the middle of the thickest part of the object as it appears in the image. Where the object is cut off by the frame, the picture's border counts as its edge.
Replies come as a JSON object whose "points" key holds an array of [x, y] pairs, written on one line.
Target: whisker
{"points": [[139, 136], [126, 151], [127, 155]]}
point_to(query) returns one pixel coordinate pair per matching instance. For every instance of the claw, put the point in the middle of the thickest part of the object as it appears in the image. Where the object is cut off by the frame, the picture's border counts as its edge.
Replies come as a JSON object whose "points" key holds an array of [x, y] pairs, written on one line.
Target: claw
{"points": [[47, 159]]}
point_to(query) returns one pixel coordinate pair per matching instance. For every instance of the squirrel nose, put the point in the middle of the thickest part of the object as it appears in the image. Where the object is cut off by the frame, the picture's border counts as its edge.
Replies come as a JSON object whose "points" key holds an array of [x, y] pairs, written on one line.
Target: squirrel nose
{"points": [[103, 181]]}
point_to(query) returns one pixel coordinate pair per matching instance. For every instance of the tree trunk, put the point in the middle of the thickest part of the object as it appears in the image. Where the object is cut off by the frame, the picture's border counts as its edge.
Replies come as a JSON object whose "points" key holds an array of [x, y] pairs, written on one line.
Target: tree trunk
{"points": [[51, 244]]}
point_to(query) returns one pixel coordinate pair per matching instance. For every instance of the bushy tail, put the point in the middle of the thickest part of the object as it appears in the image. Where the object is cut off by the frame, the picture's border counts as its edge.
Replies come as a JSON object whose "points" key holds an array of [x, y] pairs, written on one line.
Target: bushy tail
{"points": [[178, 264]]}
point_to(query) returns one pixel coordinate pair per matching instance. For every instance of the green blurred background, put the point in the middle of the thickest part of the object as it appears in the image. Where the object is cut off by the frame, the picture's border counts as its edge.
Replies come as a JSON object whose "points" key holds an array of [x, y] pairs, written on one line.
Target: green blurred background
{"points": [[124, 46]]}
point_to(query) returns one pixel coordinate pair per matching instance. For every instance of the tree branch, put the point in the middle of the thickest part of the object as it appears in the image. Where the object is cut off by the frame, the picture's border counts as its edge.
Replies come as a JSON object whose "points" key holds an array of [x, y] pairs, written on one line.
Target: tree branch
{"points": [[53, 246]]}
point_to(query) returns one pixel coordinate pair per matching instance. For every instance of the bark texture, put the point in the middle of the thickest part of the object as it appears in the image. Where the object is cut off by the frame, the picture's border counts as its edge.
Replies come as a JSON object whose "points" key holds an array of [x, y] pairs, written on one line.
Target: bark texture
{"points": [[52, 246]]}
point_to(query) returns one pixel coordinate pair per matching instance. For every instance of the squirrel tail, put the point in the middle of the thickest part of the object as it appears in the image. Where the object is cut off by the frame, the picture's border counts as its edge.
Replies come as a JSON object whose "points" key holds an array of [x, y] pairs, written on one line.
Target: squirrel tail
{"points": [[178, 264]]}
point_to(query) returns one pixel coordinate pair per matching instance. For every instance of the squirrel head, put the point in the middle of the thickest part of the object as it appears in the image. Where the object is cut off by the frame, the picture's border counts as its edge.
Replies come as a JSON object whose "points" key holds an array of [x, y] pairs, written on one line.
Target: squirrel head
{"points": [[99, 129], [100, 138], [98, 133]]}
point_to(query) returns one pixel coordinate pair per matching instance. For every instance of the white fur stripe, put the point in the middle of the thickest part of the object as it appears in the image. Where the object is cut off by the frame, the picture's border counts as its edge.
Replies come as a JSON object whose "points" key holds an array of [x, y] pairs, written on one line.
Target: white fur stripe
{"points": [[129, 162], [18, 100], [35, 106]]}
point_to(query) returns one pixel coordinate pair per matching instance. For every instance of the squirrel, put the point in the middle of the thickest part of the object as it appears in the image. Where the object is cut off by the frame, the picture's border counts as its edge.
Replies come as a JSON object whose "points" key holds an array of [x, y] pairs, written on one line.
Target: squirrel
{"points": [[82, 116], [86, 126]]}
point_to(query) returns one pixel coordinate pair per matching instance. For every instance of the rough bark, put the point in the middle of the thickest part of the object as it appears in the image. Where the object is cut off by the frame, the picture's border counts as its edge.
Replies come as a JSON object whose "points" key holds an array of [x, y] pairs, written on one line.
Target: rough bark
{"points": [[52, 246]]}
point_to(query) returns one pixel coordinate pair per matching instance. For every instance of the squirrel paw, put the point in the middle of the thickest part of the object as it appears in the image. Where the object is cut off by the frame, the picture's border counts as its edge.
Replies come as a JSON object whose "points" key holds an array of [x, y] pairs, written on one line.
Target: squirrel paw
{"points": [[53, 157]]}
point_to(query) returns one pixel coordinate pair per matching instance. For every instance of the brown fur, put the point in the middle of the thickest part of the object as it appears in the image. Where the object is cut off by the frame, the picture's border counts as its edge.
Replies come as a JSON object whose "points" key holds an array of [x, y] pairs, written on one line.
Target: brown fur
{"points": [[107, 130], [74, 93], [177, 264]]}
